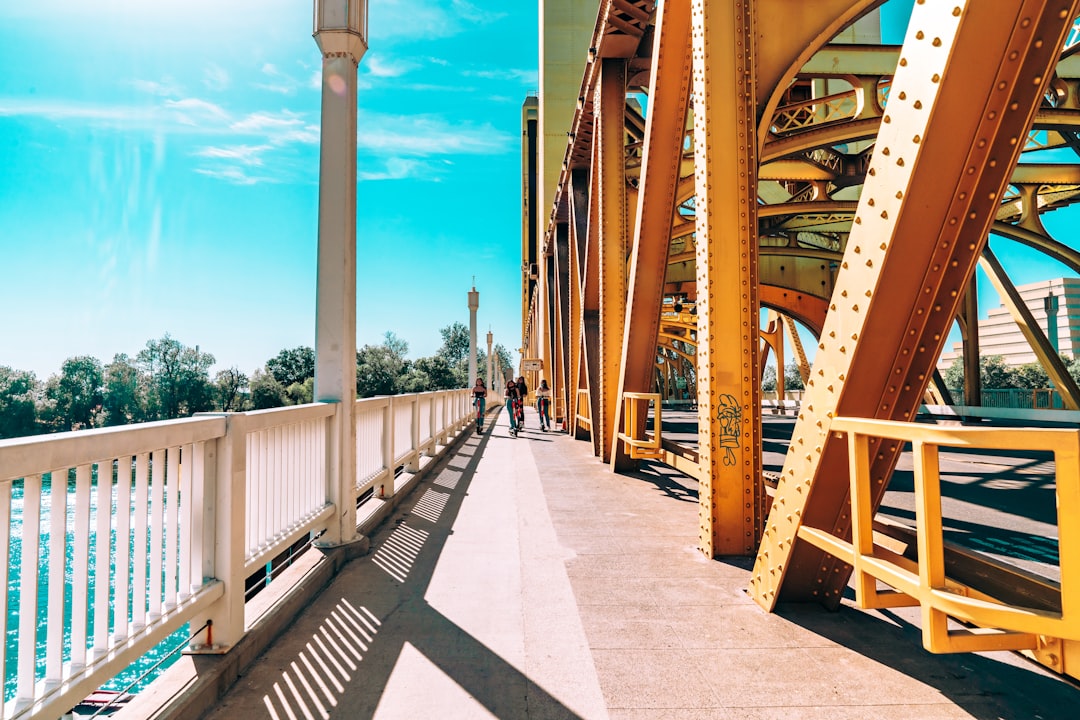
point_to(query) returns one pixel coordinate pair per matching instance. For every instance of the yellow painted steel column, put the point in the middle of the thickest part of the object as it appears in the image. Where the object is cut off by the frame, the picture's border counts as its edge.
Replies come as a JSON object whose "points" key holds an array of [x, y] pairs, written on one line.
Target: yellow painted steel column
{"points": [[610, 142], [662, 153], [579, 228], [729, 407], [970, 79]]}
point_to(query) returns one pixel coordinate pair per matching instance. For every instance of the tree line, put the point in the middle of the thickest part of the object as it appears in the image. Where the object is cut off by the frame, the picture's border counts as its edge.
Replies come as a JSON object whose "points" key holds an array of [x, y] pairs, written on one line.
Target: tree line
{"points": [[167, 380]]}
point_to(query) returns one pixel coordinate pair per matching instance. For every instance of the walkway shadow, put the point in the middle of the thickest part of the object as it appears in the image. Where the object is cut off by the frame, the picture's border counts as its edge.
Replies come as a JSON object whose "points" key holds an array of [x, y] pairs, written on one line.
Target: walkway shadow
{"points": [[979, 684], [338, 659]]}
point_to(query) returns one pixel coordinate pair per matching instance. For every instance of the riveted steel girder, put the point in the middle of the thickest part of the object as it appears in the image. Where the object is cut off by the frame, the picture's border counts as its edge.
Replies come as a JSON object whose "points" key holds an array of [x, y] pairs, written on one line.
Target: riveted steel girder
{"points": [[662, 154], [970, 73], [579, 230], [611, 202], [729, 408], [969, 315]]}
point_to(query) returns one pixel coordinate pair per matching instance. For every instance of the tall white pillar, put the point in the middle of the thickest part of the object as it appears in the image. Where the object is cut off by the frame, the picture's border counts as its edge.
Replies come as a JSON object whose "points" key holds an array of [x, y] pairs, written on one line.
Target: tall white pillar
{"points": [[474, 305], [340, 31], [490, 378]]}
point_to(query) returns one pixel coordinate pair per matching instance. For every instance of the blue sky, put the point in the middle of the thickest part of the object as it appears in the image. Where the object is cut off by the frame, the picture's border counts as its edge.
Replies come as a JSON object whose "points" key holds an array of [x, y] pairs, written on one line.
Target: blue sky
{"points": [[161, 167], [161, 163]]}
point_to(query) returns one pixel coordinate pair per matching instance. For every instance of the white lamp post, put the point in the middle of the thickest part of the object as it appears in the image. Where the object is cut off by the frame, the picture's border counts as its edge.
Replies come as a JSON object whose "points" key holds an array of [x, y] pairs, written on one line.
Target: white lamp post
{"points": [[341, 33]]}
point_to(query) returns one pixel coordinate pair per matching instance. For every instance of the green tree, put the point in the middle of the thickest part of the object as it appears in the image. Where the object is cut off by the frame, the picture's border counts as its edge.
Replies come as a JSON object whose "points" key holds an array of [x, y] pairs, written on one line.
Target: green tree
{"points": [[179, 378], [301, 393], [381, 369], [78, 394], [430, 373], [18, 410], [455, 347], [266, 391], [768, 379], [996, 375], [1031, 376], [954, 377], [792, 377], [292, 366], [231, 388], [124, 399]]}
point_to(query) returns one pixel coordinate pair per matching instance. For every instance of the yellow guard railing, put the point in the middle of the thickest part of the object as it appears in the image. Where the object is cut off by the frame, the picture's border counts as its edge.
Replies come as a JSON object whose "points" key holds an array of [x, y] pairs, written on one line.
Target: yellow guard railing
{"points": [[998, 625], [641, 448]]}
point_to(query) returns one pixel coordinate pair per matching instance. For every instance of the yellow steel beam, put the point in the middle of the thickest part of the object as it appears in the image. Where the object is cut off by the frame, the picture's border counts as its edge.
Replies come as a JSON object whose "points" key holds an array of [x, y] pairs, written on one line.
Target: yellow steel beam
{"points": [[579, 230], [797, 348], [559, 372], [610, 185], [669, 96], [729, 408], [970, 73], [806, 27], [969, 329], [1029, 326]]}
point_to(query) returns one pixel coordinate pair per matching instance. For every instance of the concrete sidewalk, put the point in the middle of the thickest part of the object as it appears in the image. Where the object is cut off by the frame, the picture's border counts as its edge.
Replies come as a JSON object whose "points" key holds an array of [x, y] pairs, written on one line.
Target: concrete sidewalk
{"points": [[524, 580]]}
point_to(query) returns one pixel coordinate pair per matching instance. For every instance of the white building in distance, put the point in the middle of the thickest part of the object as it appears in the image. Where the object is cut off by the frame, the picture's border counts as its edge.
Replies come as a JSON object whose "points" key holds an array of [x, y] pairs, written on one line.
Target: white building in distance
{"points": [[1000, 335]]}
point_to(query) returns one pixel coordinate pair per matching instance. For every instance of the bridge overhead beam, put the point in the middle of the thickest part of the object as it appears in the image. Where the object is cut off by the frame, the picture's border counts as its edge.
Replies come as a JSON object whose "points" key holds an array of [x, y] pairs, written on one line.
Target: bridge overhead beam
{"points": [[975, 74], [729, 413], [662, 154]]}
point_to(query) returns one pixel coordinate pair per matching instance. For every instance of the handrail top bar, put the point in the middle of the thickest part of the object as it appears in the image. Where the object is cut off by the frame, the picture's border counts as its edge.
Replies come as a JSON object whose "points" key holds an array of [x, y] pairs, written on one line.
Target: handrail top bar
{"points": [[32, 455], [641, 396], [989, 438], [273, 417]]}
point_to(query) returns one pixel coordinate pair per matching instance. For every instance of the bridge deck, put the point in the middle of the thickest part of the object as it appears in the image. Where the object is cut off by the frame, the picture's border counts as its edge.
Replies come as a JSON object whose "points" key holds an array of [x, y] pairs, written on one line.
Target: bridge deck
{"points": [[522, 579]]}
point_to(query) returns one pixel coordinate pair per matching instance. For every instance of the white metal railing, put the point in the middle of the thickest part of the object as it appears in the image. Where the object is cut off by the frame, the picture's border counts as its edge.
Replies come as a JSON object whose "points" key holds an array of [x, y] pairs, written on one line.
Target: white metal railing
{"points": [[117, 537], [125, 505], [395, 431]]}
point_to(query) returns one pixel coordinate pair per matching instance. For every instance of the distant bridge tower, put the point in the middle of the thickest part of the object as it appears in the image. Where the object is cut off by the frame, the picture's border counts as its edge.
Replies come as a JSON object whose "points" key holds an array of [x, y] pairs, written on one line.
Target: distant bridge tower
{"points": [[474, 305]]}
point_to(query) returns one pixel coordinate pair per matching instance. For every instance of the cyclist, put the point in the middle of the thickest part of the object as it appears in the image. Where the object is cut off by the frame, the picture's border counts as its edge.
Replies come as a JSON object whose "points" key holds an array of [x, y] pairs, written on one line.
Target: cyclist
{"points": [[543, 405], [523, 395], [479, 394], [511, 395]]}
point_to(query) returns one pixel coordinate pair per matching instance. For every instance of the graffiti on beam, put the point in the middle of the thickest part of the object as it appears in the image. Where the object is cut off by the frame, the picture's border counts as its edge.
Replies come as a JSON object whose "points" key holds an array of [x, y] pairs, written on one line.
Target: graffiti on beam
{"points": [[729, 413]]}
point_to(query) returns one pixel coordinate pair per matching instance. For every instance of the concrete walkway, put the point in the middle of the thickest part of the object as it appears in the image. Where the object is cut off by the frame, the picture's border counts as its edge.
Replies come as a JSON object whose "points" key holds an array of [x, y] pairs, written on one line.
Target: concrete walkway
{"points": [[524, 580]]}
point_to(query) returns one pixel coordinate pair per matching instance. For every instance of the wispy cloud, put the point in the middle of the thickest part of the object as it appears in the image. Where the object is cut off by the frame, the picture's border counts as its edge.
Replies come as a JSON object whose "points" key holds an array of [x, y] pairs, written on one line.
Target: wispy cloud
{"points": [[279, 82], [215, 77], [395, 168], [193, 111], [243, 154], [382, 67], [165, 87], [425, 135], [405, 19], [525, 77], [234, 175]]}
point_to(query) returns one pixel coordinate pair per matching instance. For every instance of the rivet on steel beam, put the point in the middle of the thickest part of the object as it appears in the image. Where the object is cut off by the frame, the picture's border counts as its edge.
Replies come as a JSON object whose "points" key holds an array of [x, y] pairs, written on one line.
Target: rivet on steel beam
{"points": [[936, 78], [956, 11], [903, 62], [902, 95], [872, 171], [858, 220], [885, 150], [918, 104]]}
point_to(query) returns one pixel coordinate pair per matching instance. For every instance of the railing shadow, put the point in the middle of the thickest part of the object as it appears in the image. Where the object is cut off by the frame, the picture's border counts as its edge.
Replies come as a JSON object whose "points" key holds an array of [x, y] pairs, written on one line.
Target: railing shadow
{"points": [[376, 610], [1002, 688]]}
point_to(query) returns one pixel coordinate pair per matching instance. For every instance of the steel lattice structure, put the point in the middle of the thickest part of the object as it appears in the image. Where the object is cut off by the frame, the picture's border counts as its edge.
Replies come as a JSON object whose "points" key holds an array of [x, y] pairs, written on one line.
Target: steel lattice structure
{"points": [[719, 161]]}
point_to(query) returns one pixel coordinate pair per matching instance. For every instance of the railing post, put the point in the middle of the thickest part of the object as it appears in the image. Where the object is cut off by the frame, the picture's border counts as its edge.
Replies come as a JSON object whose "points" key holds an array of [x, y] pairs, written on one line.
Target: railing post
{"points": [[413, 463], [388, 448], [433, 430], [224, 465]]}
